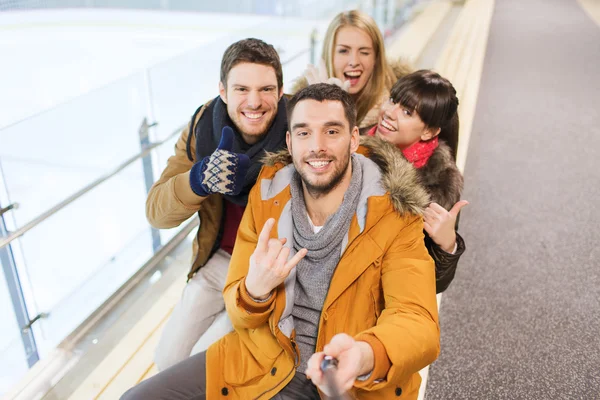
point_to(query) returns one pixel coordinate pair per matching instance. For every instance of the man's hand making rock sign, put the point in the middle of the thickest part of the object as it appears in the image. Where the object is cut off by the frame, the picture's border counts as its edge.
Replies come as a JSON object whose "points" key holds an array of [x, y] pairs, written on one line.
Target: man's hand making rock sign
{"points": [[269, 265]]}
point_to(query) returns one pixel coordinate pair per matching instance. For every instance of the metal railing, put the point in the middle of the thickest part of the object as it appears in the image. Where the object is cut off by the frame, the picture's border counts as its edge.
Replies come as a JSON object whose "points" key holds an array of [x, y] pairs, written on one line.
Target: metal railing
{"points": [[47, 214]]}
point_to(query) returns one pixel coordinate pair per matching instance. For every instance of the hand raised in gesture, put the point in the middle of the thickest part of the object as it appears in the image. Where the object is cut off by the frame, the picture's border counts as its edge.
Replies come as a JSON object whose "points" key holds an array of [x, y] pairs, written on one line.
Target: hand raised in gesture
{"points": [[318, 74], [269, 264], [439, 224]]}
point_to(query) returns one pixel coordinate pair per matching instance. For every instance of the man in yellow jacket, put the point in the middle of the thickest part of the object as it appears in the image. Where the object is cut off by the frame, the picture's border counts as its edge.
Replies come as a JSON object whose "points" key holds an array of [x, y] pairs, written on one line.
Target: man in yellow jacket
{"points": [[329, 261]]}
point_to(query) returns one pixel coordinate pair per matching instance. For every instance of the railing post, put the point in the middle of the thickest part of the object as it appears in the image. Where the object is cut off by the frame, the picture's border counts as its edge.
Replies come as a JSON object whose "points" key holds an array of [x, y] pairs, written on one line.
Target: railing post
{"points": [[17, 298], [313, 46], [148, 174]]}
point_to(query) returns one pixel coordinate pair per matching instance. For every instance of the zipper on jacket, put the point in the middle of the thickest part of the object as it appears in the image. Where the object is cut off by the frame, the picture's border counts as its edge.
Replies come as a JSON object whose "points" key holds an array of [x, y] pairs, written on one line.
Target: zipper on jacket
{"points": [[296, 355]]}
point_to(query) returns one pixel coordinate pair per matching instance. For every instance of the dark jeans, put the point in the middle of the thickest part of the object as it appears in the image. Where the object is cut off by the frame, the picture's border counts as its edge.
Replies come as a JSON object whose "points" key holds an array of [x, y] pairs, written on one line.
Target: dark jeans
{"points": [[183, 381], [299, 388], [187, 381]]}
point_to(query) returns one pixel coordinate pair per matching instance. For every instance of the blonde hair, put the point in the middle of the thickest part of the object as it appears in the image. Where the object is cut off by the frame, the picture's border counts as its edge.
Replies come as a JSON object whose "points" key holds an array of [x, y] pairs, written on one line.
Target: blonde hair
{"points": [[382, 77]]}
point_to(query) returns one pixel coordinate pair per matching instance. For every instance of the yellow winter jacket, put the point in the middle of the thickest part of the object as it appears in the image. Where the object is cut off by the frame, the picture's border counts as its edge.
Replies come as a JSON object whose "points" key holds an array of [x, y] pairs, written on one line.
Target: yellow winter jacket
{"points": [[382, 291]]}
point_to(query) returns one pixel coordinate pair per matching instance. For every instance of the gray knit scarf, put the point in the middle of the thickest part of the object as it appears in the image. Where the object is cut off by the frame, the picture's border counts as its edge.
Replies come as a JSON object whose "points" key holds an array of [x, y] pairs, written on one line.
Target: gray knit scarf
{"points": [[315, 270]]}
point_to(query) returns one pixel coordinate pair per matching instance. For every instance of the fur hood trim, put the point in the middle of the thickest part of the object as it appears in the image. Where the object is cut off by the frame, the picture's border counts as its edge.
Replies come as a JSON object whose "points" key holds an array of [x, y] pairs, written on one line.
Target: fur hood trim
{"points": [[399, 178], [441, 177]]}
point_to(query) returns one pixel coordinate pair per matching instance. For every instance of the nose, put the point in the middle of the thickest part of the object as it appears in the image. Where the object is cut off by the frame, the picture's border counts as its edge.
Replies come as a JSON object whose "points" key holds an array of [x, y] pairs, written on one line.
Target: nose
{"points": [[387, 110], [353, 62], [317, 144], [254, 100]]}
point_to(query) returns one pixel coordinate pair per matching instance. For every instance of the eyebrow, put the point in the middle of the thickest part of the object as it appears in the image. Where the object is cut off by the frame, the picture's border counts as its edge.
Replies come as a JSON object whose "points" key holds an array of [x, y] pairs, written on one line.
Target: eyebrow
{"points": [[328, 123], [299, 125], [360, 48], [239, 85]]}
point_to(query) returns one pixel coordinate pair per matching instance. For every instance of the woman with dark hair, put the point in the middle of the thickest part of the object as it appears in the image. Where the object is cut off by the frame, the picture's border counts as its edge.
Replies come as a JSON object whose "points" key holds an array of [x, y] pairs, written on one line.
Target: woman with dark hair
{"points": [[420, 119]]}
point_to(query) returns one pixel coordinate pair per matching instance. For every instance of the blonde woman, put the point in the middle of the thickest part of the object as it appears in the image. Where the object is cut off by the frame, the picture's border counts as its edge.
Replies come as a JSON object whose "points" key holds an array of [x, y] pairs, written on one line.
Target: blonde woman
{"points": [[354, 58]]}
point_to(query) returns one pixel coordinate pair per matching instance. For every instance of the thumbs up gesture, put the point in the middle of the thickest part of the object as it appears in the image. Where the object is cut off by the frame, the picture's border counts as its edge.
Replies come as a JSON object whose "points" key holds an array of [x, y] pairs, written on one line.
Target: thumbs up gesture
{"points": [[439, 224], [223, 171]]}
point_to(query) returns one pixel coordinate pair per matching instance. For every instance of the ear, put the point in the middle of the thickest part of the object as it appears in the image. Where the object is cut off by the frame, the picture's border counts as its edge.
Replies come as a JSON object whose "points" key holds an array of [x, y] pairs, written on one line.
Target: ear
{"points": [[223, 92], [288, 142], [430, 133], [354, 140], [280, 93]]}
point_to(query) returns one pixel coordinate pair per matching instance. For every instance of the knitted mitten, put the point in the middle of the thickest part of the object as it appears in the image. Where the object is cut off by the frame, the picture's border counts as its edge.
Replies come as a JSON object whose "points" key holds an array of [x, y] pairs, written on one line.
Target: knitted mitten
{"points": [[222, 172]]}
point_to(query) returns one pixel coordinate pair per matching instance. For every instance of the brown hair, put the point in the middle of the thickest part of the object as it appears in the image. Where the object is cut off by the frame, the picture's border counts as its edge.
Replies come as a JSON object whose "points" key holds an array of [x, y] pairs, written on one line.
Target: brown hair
{"points": [[251, 51], [434, 98], [324, 92], [383, 76]]}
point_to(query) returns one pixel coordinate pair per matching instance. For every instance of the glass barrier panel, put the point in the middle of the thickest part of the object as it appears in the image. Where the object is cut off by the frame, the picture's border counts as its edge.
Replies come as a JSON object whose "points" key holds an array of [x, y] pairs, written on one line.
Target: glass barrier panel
{"points": [[78, 258], [47, 158]]}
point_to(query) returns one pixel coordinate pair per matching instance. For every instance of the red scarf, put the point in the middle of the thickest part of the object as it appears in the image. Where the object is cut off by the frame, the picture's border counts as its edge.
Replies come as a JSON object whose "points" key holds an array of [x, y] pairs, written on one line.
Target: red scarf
{"points": [[418, 154]]}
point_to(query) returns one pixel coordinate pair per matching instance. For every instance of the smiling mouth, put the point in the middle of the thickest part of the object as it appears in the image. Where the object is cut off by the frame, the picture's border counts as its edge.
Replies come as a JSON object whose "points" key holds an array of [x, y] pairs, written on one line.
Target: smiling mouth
{"points": [[384, 123], [254, 116], [353, 76], [318, 164]]}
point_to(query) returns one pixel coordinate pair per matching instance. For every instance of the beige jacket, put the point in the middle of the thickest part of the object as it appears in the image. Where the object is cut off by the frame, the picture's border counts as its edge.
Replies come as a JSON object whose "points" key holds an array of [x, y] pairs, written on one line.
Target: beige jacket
{"points": [[166, 209]]}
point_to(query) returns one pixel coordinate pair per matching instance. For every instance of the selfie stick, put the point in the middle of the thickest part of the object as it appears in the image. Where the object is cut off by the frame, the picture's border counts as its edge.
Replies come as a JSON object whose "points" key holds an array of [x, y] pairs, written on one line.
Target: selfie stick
{"points": [[329, 366]]}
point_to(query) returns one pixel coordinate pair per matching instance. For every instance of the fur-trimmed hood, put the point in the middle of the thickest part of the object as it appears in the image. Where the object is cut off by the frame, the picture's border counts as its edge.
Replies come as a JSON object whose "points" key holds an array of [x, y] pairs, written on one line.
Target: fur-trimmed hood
{"points": [[441, 177], [398, 177], [401, 68]]}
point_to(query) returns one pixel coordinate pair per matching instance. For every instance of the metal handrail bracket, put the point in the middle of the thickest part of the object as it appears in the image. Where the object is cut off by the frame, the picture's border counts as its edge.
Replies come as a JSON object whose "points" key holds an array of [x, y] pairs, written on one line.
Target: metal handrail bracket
{"points": [[12, 206]]}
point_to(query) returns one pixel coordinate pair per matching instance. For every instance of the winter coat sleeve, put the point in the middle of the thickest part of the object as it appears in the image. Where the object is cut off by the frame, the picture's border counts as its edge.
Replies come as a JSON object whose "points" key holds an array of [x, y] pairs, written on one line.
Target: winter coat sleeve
{"points": [[408, 326], [164, 206], [445, 263]]}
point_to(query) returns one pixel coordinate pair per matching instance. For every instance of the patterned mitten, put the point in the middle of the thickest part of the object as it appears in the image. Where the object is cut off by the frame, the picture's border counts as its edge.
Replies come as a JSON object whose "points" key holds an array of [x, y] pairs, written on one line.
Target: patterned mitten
{"points": [[223, 171]]}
